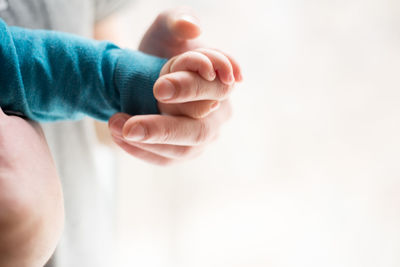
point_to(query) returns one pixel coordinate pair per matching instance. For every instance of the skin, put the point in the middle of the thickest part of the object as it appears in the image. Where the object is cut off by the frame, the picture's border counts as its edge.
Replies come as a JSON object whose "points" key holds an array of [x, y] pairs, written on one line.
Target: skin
{"points": [[201, 65], [31, 215], [192, 118]]}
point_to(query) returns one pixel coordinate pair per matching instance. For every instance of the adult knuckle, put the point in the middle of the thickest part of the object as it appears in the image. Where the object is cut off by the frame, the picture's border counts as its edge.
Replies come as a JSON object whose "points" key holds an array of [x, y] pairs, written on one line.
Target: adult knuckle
{"points": [[179, 84], [198, 86], [225, 91], [203, 132], [167, 135]]}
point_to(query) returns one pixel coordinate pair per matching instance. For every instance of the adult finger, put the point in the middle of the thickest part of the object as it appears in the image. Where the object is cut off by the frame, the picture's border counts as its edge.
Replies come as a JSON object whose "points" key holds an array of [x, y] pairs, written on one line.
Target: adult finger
{"points": [[163, 150], [196, 110], [170, 151], [171, 33], [157, 129], [142, 154], [183, 23], [175, 130], [117, 122], [184, 86]]}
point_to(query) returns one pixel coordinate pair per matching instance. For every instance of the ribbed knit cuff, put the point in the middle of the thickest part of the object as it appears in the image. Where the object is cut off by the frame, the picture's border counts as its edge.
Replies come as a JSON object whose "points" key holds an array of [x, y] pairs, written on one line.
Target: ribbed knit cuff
{"points": [[134, 78]]}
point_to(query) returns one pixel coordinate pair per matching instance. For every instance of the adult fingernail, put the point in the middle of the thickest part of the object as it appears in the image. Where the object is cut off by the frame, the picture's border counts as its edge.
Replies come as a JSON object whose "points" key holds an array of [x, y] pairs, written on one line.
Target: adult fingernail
{"points": [[117, 124], [189, 18], [166, 90], [136, 133]]}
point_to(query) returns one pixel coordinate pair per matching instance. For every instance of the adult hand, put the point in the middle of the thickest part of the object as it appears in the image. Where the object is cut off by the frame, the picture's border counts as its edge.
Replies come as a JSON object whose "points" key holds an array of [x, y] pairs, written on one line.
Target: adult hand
{"points": [[191, 119], [173, 32], [31, 202]]}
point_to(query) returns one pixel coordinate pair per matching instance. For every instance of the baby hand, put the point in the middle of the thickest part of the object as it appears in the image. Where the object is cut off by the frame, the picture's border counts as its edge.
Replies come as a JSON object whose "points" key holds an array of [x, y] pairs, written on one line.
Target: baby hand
{"points": [[193, 75]]}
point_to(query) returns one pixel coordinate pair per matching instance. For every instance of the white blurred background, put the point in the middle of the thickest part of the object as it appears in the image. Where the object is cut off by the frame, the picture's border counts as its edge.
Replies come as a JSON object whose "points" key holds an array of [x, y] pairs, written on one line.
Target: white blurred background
{"points": [[307, 172]]}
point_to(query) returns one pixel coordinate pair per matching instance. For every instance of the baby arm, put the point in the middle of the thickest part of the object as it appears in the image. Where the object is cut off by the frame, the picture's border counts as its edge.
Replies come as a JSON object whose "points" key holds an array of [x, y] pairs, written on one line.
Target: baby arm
{"points": [[51, 76]]}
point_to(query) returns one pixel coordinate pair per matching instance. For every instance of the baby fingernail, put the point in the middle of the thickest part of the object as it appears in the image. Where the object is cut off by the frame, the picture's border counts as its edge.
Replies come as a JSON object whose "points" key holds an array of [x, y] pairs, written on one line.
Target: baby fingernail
{"points": [[213, 75], [231, 79], [166, 90], [136, 133]]}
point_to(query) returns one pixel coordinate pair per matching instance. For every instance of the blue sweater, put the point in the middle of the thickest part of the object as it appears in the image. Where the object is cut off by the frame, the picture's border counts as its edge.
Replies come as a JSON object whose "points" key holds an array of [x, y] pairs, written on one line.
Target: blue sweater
{"points": [[49, 76]]}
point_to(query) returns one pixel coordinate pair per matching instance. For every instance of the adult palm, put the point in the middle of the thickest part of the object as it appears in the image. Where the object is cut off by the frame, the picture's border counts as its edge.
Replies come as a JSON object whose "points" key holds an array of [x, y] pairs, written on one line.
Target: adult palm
{"points": [[185, 128]]}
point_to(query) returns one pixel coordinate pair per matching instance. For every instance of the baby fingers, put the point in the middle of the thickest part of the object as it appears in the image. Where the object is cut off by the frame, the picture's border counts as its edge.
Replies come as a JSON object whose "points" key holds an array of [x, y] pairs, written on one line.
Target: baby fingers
{"points": [[237, 71], [207, 63], [222, 64], [196, 62]]}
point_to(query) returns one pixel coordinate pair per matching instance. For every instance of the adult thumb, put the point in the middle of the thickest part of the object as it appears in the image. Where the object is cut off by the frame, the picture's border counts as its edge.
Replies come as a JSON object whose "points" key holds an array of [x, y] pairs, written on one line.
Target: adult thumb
{"points": [[183, 24], [171, 33]]}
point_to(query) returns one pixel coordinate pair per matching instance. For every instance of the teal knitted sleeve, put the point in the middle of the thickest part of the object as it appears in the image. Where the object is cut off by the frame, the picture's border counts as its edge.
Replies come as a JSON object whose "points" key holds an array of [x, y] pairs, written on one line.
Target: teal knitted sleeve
{"points": [[50, 76]]}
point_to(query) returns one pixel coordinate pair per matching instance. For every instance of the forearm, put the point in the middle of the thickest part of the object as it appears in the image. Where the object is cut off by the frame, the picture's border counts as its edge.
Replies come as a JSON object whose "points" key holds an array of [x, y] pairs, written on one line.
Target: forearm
{"points": [[52, 76]]}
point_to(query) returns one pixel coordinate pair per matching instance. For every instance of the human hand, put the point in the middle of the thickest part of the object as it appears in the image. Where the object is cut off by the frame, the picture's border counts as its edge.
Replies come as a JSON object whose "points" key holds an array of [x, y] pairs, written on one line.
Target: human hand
{"points": [[172, 33], [176, 134], [31, 202], [185, 77], [164, 139], [168, 139]]}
